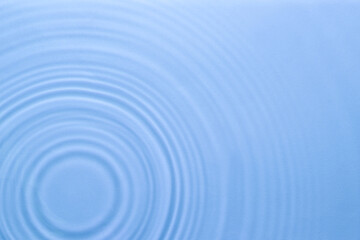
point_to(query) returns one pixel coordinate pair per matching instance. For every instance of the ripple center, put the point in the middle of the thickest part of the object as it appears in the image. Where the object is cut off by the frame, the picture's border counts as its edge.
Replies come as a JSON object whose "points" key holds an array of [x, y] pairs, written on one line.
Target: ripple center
{"points": [[76, 193]]}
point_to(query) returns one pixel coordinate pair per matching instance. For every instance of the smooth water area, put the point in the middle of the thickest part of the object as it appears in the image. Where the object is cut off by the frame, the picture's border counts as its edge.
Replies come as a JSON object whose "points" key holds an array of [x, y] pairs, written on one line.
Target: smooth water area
{"points": [[189, 120]]}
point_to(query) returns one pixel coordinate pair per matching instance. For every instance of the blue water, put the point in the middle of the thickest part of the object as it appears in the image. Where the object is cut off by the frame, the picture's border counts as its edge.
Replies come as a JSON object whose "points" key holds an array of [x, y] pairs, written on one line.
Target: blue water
{"points": [[179, 120]]}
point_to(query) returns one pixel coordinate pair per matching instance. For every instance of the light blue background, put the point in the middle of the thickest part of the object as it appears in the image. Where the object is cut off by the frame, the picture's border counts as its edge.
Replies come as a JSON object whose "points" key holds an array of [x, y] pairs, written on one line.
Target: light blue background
{"points": [[180, 120]]}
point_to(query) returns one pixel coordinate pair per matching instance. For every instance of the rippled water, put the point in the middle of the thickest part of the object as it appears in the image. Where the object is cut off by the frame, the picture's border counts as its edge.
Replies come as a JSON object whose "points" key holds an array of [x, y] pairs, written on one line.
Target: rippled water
{"points": [[179, 120]]}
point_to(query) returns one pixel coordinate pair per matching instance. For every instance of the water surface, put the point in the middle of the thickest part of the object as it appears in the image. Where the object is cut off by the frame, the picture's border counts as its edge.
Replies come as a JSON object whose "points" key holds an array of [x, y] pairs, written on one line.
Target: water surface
{"points": [[179, 120]]}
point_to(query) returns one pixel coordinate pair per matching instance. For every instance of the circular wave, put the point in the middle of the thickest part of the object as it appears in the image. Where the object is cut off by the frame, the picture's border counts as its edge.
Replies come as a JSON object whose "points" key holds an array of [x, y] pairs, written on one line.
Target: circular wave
{"points": [[121, 121]]}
